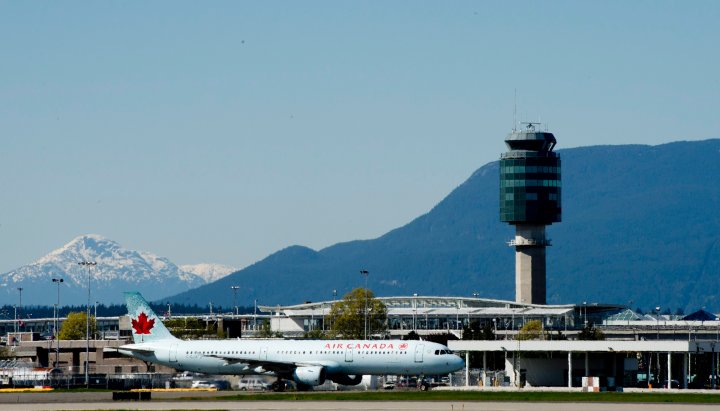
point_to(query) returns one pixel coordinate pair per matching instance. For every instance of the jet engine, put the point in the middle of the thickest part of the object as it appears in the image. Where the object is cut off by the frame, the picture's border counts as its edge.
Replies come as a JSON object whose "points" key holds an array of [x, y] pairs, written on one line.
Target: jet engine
{"points": [[309, 375], [344, 379]]}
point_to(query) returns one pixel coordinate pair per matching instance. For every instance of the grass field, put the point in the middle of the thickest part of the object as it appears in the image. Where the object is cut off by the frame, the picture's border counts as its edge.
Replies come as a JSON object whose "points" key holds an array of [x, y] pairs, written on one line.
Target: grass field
{"points": [[610, 397]]}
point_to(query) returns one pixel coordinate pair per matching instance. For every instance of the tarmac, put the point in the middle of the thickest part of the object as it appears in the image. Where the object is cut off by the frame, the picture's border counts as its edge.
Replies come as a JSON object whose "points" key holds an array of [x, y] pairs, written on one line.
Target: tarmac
{"points": [[172, 401]]}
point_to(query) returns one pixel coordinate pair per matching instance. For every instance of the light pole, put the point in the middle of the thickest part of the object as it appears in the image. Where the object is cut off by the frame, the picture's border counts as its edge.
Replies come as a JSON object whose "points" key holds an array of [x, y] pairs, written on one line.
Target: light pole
{"points": [[657, 322], [366, 273], [57, 281], [20, 289], [235, 288], [88, 265], [414, 310], [95, 333], [334, 299]]}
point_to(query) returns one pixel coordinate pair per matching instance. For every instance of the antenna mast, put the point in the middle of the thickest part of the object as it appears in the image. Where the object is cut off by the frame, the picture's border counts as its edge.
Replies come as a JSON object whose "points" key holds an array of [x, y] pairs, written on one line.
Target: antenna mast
{"points": [[515, 112]]}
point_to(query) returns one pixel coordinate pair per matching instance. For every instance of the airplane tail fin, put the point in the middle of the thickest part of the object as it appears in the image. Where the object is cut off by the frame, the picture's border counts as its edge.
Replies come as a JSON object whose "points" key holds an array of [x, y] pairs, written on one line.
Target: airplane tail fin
{"points": [[146, 325]]}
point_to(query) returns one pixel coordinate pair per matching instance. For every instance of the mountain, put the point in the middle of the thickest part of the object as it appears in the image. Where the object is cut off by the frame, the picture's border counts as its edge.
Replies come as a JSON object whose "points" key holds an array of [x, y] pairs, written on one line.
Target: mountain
{"points": [[208, 272], [118, 269], [640, 226]]}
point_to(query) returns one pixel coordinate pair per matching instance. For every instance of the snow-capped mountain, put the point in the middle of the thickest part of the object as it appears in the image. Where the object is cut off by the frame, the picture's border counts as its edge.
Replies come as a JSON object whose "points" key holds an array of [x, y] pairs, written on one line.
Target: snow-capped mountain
{"points": [[208, 272], [118, 269]]}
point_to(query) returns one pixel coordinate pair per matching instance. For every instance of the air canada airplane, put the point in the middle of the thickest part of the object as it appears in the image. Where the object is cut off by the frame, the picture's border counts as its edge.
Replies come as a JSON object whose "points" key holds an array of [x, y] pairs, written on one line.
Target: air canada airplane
{"points": [[307, 362]]}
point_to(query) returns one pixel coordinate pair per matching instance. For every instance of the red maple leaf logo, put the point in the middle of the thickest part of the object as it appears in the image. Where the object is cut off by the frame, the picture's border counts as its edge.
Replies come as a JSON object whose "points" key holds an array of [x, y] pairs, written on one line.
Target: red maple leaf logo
{"points": [[403, 346], [142, 325]]}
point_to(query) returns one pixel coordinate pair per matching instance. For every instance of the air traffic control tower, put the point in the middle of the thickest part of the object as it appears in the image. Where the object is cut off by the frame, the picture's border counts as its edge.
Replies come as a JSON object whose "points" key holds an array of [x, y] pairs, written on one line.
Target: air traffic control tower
{"points": [[530, 200]]}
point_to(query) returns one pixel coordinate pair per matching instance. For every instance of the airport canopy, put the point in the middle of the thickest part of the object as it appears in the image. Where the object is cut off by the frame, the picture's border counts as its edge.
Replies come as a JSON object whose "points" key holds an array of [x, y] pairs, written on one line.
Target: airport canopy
{"points": [[626, 315]]}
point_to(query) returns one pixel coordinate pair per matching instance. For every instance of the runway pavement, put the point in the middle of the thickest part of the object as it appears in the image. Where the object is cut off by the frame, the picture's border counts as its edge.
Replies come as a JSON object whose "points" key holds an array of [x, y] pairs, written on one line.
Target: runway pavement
{"points": [[164, 401], [355, 405]]}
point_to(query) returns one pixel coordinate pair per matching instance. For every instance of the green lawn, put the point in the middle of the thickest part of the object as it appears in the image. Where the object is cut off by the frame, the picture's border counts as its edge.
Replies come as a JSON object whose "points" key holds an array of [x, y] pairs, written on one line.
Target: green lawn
{"points": [[479, 396]]}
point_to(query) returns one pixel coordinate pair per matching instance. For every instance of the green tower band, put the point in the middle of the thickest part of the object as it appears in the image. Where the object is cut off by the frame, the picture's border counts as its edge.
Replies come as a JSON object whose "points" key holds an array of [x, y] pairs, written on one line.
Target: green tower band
{"points": [[530, 189]]}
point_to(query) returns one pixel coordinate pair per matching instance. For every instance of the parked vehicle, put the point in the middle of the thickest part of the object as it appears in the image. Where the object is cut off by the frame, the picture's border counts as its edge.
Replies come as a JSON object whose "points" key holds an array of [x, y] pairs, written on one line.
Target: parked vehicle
{"points": [[253, 384], [389, 385], [204, 384], [407, 383]]}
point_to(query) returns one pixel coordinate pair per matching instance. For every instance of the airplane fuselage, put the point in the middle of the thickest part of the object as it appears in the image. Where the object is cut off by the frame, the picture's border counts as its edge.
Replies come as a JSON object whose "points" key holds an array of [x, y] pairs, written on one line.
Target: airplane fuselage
{"points": [[352, 357]]}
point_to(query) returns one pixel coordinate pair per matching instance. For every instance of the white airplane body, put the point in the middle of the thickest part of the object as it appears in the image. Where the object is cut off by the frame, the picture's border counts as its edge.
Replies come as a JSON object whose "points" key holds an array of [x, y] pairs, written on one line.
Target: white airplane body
{"points": [[307, 362]]}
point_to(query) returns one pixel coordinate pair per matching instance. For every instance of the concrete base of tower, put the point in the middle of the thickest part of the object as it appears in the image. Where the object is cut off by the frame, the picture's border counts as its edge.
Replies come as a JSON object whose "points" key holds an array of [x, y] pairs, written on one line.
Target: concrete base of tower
{"points": [[530, 269]]}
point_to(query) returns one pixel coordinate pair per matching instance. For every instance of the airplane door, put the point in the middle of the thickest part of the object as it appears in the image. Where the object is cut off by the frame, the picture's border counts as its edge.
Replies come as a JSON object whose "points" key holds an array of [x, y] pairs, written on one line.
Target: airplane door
{"points": [[173, 353], [349, 355], [419, 352], [263, 353]]}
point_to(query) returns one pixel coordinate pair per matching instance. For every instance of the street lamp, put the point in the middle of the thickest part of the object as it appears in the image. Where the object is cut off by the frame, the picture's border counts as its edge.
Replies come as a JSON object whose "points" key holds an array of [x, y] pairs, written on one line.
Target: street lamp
{"points": [[88, 265], [20, 289], [657, 322], [57, 281], [366, 273], [235, 288], [96, 333], [414, 309]]}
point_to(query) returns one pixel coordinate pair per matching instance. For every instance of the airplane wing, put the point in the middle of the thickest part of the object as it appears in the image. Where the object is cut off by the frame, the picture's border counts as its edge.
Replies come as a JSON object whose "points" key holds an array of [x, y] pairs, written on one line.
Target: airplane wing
{"points": [[272, 366]]}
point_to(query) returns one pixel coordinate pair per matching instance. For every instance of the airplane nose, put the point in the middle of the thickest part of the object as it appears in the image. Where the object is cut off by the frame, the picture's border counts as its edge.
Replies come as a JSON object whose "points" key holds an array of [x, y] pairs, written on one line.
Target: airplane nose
{"points": [[459, 361]]}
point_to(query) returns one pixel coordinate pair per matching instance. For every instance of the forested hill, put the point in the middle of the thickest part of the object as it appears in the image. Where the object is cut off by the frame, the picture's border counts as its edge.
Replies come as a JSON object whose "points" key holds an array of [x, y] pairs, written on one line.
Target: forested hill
{"points": [[641, 225]]}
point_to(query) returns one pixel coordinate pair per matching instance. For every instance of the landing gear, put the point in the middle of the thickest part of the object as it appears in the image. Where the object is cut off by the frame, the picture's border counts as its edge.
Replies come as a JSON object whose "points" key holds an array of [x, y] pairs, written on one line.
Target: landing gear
{"points": [[423, 384], [278, 386]]}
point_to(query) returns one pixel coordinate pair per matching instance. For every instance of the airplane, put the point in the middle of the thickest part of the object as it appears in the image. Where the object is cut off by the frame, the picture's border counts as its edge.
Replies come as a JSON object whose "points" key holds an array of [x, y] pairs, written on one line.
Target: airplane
{"points": [[308, 363]]}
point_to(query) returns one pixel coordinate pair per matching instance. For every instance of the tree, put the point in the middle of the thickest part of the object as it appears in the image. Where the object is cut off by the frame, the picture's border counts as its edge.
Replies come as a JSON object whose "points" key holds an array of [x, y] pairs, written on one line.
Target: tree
{"points": [[590, 333], [73, 328], [476, 331], [532, 330], [265, 331], [412, 335], [347, 316], [441, 338], [187, 328]]}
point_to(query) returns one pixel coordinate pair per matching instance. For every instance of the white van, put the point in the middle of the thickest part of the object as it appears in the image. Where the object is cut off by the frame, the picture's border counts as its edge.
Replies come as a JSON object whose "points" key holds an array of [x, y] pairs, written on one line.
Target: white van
{"points": [[204, 384], [253, 384]]}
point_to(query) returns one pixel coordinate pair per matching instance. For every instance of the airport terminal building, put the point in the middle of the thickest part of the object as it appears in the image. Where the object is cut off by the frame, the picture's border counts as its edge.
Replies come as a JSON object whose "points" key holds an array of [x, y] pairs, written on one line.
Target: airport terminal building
{"points": [[636, 348]]}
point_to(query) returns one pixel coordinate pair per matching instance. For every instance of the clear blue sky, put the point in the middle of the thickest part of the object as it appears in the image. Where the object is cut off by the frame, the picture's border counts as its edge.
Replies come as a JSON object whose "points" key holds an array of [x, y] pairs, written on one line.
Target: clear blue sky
{"points": [[224, 131]]}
